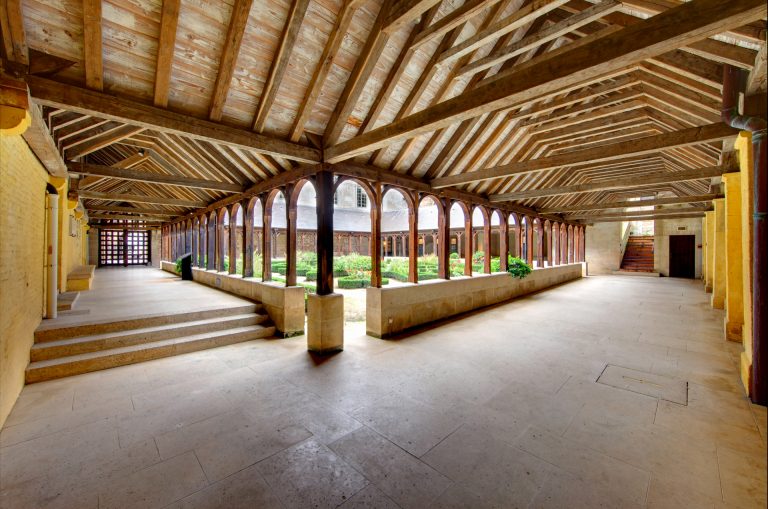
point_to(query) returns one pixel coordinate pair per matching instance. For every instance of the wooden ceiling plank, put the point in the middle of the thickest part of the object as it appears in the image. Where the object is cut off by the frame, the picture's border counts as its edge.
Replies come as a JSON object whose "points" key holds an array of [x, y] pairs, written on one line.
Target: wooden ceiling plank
{"points": [[90, 102], [131, 210], [403, 12], [335, 39], [92, 145], [682, 25], [364, 66], [636, 216], [169, 20], [237, 24], [646, 145], [280, 62], [450, 21], [92, 45], [98, 170], [14, 36]]}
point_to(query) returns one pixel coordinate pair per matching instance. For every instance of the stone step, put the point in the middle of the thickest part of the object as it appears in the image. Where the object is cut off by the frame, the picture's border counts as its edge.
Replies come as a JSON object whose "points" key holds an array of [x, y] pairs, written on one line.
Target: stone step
{"points": [[51, 331], [66, 301], [92, 343], [94, 361]]}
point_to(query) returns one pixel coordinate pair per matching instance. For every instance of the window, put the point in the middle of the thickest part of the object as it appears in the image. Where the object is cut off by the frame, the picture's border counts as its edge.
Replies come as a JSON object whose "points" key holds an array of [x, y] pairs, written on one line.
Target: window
{"points": [[362, 198], [336, 198]]}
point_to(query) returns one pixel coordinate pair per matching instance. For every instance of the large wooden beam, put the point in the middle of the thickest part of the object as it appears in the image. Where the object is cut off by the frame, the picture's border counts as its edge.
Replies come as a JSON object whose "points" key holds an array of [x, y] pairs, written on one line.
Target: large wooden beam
{"points": [[280, 62], [631, 203], [647, 217], [640, 146], [126, 217], [237, 23], [131, 210], [657, 213], [137, 198], [618, 184], [671, 29], [92, 45], [89, 102], [450, 21], [40, 141], [125, 226], [14, 37], [169, 20], [98, 170], [547, 34], [403, 12]]}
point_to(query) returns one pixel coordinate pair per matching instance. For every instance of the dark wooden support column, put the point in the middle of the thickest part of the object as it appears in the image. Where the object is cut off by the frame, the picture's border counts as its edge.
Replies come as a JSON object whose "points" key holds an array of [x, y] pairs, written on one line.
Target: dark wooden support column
{"points": [[291, 214], [548, 242], [529, 242], [232, 240], [376, 236], [503, 242], [583, 243], [413, 240], [324, 189], [247, 239], [443, 239], [540, 245], [266, 242], [487, 243], [221, 241], [210, 255], [519, 236], [468, 238]]}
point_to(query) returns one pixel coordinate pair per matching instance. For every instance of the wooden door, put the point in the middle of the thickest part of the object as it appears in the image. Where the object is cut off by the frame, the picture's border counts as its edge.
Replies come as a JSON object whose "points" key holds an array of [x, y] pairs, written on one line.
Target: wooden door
{"points": [[682, 256]]}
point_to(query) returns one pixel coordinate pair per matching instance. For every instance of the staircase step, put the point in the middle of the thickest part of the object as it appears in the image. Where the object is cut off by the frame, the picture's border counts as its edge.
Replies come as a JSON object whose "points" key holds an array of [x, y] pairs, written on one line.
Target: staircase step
{"points": [[92, 343], [50, 331], [95, 361], [66, 301]]}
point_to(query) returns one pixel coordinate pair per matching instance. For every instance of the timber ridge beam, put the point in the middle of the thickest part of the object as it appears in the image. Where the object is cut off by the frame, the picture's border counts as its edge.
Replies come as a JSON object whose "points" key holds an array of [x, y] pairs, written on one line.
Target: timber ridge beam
{"points": [[667, 31], [690, 215], [659, 213], [632, 203], [99, 104]]}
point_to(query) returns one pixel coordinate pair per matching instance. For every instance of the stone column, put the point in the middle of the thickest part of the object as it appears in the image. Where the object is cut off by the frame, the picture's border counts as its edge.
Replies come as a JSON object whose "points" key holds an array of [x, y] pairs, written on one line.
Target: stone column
{"points": [[325, 309], [734, 306], [232, 240], [718, 276]]}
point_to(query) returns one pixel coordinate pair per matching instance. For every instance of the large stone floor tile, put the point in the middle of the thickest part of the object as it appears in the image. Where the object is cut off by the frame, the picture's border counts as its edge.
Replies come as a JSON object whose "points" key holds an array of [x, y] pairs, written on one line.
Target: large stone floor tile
{"points": [[155, 486], [743, 477], [567, 490], [409, 482], [369, 497], [244, 490], [310, 475]]}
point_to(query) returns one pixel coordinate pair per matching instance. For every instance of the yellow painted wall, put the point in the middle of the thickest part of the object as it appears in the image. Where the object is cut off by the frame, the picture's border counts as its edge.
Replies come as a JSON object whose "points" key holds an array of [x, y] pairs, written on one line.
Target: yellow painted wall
{"points": [[734, 309], [709, 251], [22, 262], [744, 147]]}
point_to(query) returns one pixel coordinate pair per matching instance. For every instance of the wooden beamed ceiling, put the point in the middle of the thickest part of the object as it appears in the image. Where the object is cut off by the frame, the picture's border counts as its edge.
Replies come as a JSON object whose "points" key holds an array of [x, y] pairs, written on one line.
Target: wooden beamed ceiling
{"points": [[537, 105]]}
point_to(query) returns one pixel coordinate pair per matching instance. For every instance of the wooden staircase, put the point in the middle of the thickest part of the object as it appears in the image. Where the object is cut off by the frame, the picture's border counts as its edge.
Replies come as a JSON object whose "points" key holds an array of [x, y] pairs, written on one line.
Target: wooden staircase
{"points": [[638, 256], [72, 350]]}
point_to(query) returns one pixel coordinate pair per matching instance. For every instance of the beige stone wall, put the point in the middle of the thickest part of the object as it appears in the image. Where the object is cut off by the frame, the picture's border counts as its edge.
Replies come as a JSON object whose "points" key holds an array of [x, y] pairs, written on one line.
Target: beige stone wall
{"points": [[22, 262], [74, 247], [284, 305], [662, 229], [603, 247], [396, 309]]}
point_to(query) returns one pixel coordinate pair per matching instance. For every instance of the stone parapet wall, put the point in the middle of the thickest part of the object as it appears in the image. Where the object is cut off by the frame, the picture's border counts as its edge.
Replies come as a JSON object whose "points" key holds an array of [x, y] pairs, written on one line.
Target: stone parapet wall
{"points": [[284, 305], [397, 309]]}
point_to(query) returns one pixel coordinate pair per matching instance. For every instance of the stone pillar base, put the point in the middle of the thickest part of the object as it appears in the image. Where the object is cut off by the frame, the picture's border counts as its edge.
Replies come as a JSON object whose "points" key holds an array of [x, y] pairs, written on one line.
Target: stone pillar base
{"points": [[325, 323], [733, 331], [708, 288]]}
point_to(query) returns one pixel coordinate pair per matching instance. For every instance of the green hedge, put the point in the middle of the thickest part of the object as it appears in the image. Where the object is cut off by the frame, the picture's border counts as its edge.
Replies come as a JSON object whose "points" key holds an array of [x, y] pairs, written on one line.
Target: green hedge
{"points": [[349, 283], [397, 276]]}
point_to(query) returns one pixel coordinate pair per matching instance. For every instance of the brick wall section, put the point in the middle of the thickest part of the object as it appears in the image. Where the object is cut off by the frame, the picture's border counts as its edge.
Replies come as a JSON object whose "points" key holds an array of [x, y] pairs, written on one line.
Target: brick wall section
{"points": [[22, 262]]}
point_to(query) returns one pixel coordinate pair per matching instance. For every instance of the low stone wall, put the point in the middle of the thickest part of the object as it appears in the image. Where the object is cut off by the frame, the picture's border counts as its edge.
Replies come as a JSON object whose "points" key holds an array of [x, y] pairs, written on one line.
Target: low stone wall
{"points": [[284, 305], [393, 310]]}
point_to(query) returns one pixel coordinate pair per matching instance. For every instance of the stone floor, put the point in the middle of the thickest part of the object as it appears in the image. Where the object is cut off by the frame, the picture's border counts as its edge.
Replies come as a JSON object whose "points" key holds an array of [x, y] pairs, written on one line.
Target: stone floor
{"points": [[148, 292], [499, 409]]}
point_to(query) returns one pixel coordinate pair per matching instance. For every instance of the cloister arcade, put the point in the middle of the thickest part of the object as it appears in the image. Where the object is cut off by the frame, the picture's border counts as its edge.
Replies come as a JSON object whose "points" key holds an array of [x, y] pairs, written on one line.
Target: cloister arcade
{"points": [[267, 224]]}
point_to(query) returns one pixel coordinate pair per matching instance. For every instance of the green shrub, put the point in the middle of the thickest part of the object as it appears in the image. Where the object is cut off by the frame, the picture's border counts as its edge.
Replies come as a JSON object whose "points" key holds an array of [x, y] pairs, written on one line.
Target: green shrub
{"points": [[301, 271], [518, 268], [306, 258], [311, 275], [454, 256], [178, 265], [279, 267], [351, 283], [397, 276], [424, 276], [478, 257]]}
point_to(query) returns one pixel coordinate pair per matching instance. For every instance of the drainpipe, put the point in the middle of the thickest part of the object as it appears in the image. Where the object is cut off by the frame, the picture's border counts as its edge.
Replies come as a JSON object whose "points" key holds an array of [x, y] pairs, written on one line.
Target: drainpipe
{"points": [[733, 81], [53, 252]]}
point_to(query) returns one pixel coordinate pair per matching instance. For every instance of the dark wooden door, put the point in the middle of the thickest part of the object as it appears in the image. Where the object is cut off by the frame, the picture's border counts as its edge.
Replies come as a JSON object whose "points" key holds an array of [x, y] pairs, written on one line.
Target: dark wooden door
{"points": [[682, 256]]}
